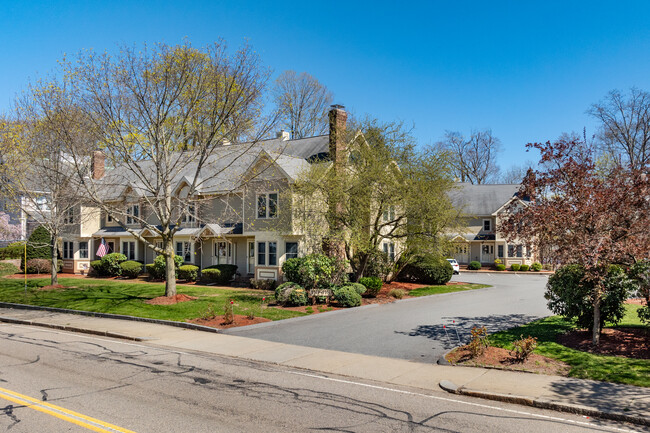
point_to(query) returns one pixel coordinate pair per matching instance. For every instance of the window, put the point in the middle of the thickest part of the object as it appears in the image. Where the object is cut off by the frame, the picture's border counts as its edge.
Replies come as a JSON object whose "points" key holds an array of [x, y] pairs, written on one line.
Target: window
{"points": [[68, 250], [83, 250], [128, 249], [488, 250], [68, 216], [267, 205], [132, 214], [291, 250], [515, 251], [184, 249], [389, 249], [389, 214], [273, 253], [109, 218], [261, 253], [487, 225], [189, 216], [41, 203], [500, 250], [110, 245]]}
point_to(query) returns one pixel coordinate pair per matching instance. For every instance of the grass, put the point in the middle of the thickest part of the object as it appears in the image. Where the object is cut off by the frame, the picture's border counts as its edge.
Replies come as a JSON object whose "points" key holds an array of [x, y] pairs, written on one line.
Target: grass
{"points": [[437, 290], [584, 365], [123, 297]]}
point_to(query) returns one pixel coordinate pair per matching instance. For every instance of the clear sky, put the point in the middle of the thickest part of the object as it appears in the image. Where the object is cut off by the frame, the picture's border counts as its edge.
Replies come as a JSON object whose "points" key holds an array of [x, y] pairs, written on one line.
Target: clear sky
{"points": [[528, 70]]}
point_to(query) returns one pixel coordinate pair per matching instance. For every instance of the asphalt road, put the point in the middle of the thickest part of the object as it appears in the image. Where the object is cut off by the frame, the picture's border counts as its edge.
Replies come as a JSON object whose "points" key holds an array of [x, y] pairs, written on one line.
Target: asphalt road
{"points": [[136, 387], [413, 328]]}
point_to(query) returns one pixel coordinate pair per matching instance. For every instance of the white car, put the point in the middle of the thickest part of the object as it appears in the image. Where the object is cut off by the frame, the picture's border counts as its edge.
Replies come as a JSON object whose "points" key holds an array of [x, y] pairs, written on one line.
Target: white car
{"points": [[454, 266]]}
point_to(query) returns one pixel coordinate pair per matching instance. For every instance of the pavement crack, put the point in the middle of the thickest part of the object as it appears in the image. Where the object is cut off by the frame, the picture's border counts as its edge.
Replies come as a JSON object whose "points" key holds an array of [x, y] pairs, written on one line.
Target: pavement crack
{"points": [[9, 411]]}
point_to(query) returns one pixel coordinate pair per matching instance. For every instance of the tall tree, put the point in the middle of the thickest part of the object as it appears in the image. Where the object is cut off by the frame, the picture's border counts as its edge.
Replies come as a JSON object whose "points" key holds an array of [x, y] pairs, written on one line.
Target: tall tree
{"points": [[625, 126], [583, 214], [303, 103], [163, 116], [516, 173], [474, 158]]}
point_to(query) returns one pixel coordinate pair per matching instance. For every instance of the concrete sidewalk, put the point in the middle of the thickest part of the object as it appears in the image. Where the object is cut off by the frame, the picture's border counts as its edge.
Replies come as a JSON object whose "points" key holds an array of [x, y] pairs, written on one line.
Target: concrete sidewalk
{"points": [[586, 397]]}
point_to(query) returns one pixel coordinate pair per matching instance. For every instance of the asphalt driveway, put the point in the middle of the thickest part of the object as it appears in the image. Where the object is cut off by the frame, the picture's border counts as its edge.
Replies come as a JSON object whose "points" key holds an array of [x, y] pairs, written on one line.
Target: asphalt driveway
{"points": [[413, 328]]}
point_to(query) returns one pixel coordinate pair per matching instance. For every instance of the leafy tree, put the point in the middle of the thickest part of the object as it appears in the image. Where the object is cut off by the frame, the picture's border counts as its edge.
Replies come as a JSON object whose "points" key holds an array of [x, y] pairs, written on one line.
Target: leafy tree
{"points": [[584, 214], [640, 274]]}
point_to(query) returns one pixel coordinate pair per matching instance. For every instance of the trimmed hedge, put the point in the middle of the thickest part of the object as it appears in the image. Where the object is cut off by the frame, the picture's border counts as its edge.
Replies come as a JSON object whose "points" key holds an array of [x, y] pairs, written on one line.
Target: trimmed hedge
{"points": [[15, 250], [474, 266], [42, 266], [372, 285], [501, 267], [347, 296], [515, 267], [358, 287], [428, 270], [130, 269], [158, 269], [188, 272], [524, 268], [225, 275], [537, 266], [211, 276]]}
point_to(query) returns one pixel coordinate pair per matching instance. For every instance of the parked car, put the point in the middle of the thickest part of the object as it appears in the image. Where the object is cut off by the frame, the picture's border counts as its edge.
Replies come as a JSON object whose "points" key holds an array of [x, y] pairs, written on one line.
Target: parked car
{"points": [[454, 266]]}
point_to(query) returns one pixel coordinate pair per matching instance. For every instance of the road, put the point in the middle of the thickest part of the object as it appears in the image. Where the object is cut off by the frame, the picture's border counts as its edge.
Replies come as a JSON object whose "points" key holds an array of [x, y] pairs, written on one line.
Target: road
{"points": [[137, 387], [413, 328]]}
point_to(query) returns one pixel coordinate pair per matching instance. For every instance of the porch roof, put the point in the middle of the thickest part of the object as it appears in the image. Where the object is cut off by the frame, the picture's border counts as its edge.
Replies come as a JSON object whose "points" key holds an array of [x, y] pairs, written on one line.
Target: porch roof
{"points": [[114, 232]]}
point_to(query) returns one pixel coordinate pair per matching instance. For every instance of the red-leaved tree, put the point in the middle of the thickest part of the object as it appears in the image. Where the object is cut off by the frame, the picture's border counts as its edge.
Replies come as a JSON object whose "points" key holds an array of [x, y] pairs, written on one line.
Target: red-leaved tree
{"points": [[584, 212]]}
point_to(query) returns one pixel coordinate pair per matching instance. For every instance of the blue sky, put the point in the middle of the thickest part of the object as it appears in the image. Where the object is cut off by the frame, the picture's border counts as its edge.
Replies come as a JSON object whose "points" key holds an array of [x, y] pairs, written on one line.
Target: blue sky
{"points": [[528, 71]]}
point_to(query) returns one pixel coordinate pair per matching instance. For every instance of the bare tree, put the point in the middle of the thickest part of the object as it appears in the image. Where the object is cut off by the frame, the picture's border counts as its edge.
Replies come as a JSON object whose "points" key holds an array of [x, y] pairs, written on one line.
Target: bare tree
{"points": [[303, 103], [164, 117], [625, 126], [516, 173], [474, 157]]}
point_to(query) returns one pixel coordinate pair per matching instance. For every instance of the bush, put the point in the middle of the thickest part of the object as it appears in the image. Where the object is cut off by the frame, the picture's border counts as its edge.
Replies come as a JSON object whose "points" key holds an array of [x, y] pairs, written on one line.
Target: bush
{"points": [[211, 275], [523, 348], [515, 267], [111, 264], [536, 266], [346, 296], [297, 297], [428, 270], [372, 285], [378, 263], [397, 293], [501, 267], [38, 245], [130, 269], [283, 290], [524, 268], [8, 269], [158, 269], [479, 341], [640, 274], [225, 275], [358, 287], [315, 271], [15, 250], [39, 266], [569, 295], [262, 284], [291, 269], [96, 268], [474, 266], [188, 272]]}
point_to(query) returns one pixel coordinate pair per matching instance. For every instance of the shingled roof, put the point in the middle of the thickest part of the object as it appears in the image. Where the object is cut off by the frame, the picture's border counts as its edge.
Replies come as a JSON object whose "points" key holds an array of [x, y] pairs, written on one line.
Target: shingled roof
{"points": [[482, 200]]}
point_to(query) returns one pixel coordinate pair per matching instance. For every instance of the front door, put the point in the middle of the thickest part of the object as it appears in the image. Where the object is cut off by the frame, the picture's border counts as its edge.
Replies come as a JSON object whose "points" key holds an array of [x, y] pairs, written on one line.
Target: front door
{"points": [[251, 257], [223, 253]]}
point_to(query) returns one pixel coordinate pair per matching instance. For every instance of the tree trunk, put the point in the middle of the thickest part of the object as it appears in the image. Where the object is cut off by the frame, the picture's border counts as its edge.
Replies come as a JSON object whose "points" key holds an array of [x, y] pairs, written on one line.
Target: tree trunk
{"points": [[595, 339], [54, 264], [170, 280]]}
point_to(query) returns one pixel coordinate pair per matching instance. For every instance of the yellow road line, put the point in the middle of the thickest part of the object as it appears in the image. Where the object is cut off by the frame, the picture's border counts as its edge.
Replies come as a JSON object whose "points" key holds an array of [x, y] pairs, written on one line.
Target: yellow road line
{"points": [[61, 413]]}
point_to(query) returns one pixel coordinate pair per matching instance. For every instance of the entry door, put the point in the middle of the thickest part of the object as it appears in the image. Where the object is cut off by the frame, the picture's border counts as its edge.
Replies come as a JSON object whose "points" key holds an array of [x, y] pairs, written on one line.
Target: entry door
{"points": [[223, 253], [251, 257]]}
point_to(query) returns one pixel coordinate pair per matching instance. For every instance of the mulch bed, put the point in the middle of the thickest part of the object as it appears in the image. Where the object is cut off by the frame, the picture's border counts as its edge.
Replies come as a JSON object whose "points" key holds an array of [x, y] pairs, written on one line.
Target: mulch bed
{"points": [[495, 357], [625, 342], [239, 320], [169, 300], [53, 287]]}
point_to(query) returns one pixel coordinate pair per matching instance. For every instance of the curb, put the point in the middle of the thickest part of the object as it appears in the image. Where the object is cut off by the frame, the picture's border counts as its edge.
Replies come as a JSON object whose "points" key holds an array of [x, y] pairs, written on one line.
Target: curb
{"points": [[185, 325], [542, 403], [71, 329]]}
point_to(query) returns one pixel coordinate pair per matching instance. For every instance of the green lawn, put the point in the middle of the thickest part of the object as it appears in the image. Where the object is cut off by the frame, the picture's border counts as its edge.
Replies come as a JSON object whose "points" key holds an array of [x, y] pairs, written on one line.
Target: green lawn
{"points": [[437, 290], [583, 365], [123, 297]]}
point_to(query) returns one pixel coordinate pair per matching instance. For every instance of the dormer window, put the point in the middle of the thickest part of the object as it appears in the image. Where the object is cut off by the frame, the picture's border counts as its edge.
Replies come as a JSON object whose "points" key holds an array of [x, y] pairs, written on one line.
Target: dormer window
{"points": [[487, 225], [267, 205], [189, 216], [132, 214]]}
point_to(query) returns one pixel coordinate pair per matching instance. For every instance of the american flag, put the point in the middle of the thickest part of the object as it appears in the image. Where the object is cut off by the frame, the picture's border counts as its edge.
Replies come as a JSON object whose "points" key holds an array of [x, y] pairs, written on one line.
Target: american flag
{"points": [[102, 250]]}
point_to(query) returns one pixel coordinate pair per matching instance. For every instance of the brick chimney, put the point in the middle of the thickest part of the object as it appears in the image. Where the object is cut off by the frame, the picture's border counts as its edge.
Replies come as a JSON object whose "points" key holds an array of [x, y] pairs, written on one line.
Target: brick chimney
{"points": [[338, 147], [98, 165]]}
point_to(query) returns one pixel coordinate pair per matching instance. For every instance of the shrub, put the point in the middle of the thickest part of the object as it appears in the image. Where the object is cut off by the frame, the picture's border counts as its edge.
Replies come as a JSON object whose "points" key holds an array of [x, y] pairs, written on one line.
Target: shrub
{"points": [[8, 269], [211, 275], [372, 285], [360, 288], [283, 291], [536, 266], [346, 296], [297, 297], [225, 275], [397, 293], [479, 341], [291, 270], [261, 284], [569, 295], [130, 269], [515, 266], [378, 263], [38, 245], [96, 268], [428, 270], [524, 268], [14, 250], [316, 271], [501, 267], [188, 272], [158, 269], [474, 266], [228, 313], [111, 264], [209, 313], [523, 348], [640, 274], [39, 266]]}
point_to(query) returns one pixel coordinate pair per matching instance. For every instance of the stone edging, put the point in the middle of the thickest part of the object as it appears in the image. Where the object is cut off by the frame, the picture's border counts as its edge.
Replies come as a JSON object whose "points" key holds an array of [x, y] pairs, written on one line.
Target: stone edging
{"points": [[542, 403]]}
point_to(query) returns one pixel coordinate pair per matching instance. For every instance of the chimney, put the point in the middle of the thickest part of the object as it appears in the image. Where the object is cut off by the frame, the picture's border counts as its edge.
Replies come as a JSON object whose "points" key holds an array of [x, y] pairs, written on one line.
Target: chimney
{"points": [[338, 147], [98, 165], [283, 135]]}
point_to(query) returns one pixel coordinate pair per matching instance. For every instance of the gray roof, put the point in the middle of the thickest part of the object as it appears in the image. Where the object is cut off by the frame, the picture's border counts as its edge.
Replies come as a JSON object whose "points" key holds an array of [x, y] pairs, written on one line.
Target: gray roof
{"points": [[224, 170], [480, 200]]}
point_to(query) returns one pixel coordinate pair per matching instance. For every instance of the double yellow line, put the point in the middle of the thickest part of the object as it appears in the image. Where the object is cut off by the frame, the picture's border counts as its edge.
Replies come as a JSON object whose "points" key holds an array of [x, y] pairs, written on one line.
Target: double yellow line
{"points": [[61, 413]]}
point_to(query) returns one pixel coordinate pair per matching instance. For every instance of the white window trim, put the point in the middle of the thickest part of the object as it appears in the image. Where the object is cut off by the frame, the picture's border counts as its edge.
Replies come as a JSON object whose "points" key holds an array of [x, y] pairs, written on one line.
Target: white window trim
{"points": [[490, 224], [268, 200], [135, 248], [286, 250], [130, 218], [191, 250], [70, 248], [267, 249], [87, 250]]}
